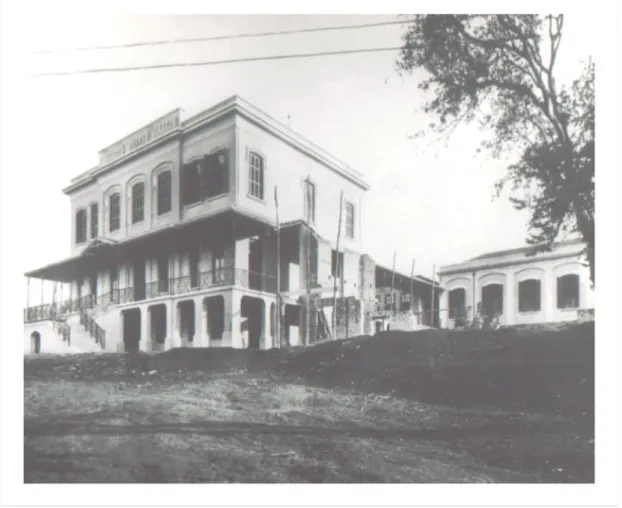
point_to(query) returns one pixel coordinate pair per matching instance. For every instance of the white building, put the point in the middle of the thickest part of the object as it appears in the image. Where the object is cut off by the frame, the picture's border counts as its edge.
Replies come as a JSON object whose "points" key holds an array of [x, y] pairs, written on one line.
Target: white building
{"points": [[174, 240], [519, 287]]}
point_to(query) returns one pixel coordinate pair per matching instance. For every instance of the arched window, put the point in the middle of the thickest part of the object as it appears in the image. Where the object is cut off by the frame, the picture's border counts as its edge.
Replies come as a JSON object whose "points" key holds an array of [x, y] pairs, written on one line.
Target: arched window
{"points": [[529, 296], [568, 292], [114, 216], [164, 189], [217, 175], [138, 202], [492, 300], [256, 175], [80, 226], [457, 303]]}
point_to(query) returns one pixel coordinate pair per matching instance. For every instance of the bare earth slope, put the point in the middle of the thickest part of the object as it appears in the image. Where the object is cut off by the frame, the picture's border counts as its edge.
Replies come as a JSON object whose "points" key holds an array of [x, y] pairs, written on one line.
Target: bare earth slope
{"points": [[504, 406]]}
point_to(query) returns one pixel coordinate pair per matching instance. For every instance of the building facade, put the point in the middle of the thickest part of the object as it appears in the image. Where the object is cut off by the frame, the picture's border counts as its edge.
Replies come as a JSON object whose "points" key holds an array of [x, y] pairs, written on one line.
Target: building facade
{"points": [[174, 241], [518, 287]]}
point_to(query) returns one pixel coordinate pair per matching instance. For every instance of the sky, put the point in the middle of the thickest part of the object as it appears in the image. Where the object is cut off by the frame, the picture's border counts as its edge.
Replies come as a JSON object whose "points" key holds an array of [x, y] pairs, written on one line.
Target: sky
{"points": [[429, 200]]}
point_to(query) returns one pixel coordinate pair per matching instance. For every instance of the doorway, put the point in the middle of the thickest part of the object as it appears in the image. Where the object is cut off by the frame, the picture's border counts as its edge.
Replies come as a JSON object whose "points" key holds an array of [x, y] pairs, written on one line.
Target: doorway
{"points": [[131, 330], [253, 310], [35, 339]]}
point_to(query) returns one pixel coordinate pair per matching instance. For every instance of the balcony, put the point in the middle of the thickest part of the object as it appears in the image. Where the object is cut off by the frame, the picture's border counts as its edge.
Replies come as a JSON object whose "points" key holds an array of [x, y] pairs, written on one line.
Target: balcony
{"points": [[223, 277]]}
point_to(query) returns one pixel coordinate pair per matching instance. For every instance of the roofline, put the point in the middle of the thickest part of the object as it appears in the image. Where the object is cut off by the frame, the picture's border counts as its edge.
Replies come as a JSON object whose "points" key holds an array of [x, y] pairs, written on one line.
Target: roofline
{"points": [[465, 268], [420, 278], [236, 105], [527, 249]]}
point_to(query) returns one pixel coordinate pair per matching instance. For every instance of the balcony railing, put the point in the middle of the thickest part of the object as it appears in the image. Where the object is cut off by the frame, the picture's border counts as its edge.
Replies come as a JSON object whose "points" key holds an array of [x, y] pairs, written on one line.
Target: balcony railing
{"points": [[227, 276]]}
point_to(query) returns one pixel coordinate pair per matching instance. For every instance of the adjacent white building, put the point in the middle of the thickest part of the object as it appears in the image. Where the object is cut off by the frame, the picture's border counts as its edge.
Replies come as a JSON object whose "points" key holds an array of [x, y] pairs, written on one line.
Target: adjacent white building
{"points": [[518, 286]]}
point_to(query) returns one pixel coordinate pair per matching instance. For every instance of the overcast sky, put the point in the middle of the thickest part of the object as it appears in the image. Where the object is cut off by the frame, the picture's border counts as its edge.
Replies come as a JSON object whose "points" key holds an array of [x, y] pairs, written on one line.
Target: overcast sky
{"points": [[428, 200]]}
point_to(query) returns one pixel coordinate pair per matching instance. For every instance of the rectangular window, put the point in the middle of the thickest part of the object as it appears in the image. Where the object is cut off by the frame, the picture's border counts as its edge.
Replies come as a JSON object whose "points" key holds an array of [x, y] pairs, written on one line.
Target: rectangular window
{"points": [[192, 179], [349, 220], [138, 202], [255, 176], [164, 186], [163, 274], [336, 264], [115, 212], [80, 226], [94, 220], [309, 200], [218, 266]]}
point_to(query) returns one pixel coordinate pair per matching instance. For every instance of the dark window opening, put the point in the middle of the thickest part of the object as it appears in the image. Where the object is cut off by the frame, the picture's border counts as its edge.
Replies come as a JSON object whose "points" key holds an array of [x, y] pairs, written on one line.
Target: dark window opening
{"points": [[138, 202], [216, 317], [568, 292], [193, 259], [492, 300], [94, 220], [115, 212], [164, 186], [81, 226], [529, 296], [206, 178], [163, 274], [457, 303]]}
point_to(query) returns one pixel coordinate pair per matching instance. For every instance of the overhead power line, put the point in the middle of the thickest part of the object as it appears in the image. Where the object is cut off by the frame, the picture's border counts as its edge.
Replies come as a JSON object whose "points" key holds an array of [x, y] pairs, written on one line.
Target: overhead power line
{"points": [[215, 62], [220, 37]]}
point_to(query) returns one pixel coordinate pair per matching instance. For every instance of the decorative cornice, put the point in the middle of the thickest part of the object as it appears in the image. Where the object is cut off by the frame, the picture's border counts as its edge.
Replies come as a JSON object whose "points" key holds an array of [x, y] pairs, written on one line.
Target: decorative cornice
{"points": [[234, 105]]}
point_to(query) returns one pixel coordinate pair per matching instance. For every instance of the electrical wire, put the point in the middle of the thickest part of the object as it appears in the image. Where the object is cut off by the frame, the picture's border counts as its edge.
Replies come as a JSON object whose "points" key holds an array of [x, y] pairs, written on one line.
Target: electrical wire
{"points": [[220, 37], [214, 62]]}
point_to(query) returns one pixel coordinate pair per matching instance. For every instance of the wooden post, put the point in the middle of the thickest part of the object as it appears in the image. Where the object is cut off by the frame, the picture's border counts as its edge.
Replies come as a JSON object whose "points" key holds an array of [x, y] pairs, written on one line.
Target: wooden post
{"points": [[334, 317], [278, 270], [432, 297], [308, 268], [412, 286], [393, 285]]}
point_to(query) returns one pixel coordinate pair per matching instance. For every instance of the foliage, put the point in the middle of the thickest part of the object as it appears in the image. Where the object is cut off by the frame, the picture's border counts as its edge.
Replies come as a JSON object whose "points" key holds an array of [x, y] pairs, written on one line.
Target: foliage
{"points": [[499, 71]]}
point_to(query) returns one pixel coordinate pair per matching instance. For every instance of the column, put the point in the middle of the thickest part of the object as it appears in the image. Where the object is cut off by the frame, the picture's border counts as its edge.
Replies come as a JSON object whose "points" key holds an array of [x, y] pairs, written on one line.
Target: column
{"points": [[169, 342], [120, 341], [267, 336], [549, 294], [509, 306], [145, 330], [200, 332], [233, 318], [444, 310]]}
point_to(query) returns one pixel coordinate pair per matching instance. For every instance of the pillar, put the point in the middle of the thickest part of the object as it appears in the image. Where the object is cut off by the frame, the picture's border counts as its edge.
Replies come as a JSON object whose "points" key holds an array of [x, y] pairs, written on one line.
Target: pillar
{"points": [[549, 294], [200, 335], [510, 307], [169, 342], [145, 330], [444, 309], [233, 318], [267, 336]]}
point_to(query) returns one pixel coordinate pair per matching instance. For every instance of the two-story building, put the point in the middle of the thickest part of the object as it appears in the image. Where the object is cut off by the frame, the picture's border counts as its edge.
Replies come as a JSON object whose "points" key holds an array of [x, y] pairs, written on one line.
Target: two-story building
{"points": [[518, 286], [187, 232]]}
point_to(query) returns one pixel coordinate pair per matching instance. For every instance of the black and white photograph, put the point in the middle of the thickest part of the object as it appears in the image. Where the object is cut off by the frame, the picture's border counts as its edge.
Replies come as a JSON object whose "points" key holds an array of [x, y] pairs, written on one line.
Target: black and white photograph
{"points": [[309, 248]]}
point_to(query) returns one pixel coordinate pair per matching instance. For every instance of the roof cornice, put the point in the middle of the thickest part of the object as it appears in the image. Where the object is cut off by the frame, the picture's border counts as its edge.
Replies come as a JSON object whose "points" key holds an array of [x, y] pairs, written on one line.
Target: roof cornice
{"points": [[231, 105]]}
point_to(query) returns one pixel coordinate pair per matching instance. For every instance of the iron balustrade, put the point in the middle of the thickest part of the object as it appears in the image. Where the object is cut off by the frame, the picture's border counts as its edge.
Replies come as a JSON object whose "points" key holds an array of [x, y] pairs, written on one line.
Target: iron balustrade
{"points": [[227, 276], [95, 331]]}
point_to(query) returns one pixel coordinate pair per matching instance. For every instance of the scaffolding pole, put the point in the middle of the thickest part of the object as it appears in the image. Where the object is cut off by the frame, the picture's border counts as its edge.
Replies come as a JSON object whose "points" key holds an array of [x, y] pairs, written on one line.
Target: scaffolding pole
{"points": [[278, 270]]}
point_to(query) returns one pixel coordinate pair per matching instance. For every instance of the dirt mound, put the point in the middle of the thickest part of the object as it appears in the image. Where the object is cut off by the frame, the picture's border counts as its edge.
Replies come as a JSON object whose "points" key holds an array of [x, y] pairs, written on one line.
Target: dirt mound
{"points": [[531, 370]]}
